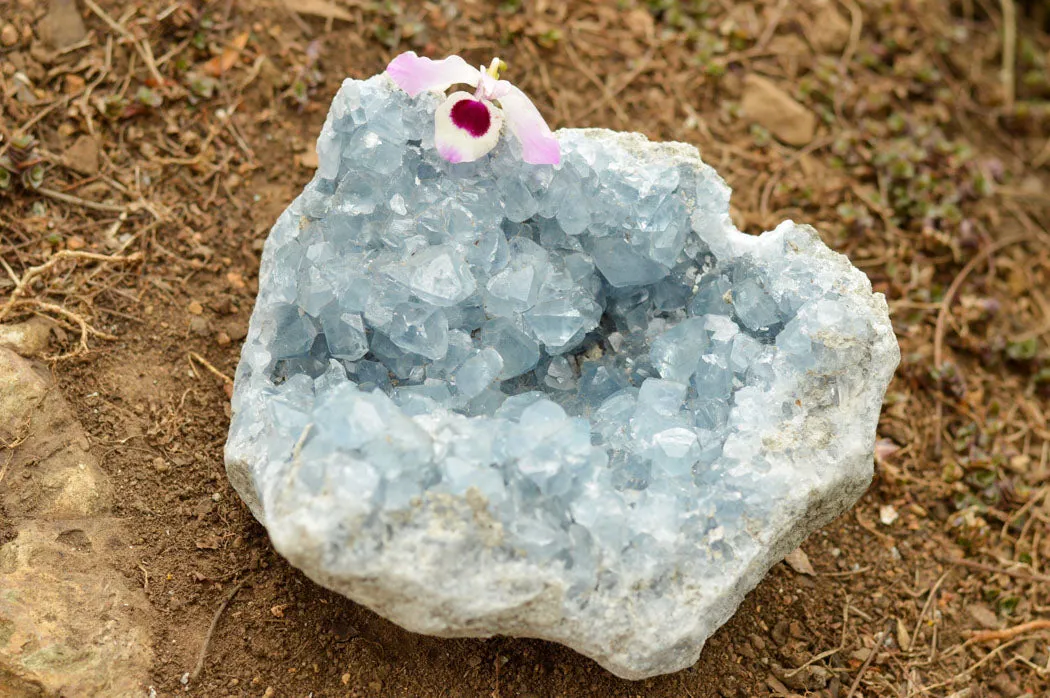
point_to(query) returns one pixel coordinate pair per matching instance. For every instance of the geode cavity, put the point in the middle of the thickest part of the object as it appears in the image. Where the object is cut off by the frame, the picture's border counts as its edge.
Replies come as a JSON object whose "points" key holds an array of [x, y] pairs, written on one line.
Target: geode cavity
{"points": [[568, 402]]}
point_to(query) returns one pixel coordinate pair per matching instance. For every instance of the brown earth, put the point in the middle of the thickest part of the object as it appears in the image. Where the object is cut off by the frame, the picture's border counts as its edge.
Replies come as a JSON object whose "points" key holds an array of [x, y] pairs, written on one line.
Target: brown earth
{"points": [[173, 132]]}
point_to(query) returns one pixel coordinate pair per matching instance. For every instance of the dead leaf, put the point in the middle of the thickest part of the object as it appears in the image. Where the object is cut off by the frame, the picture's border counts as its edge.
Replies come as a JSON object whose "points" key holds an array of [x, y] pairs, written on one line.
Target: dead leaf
{"points": [[799, 561], [278, 610], [228, 58], [778, 687], [318, 8], [208, 543], [984, 616], [903, 638]]}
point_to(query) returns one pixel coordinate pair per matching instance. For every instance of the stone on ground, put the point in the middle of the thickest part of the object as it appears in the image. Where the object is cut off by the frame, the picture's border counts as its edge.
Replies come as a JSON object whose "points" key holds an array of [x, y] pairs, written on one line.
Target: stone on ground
{"points": [[71, 624]]}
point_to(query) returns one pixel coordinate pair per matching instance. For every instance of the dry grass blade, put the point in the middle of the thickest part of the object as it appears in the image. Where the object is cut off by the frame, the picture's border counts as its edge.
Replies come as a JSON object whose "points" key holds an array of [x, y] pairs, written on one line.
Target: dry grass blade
{"points": [[925, 608], [210, 367], [1019, 574], [70, 199], [1009, 52], [879, 639], [211, 629]]}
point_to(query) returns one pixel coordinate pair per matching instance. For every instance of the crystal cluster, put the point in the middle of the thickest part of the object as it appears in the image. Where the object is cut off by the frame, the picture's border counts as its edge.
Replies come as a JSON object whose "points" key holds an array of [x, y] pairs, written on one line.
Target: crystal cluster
{"points": [[567, 402]]}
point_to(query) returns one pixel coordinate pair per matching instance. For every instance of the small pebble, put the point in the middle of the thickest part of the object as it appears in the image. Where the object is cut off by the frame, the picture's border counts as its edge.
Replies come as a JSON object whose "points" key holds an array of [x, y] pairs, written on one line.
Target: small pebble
{"points": [[8, 35], [236, 279], [199, 326], [74, 84], [195, 308]]}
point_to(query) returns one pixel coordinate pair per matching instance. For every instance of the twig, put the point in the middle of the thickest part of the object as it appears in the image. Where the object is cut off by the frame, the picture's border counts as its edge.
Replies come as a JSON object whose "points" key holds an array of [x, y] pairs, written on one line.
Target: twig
{"points": [[925, 607], [70, 199], [201, 150], [879, 639], [44, 112], [1019, 574], [1023, 510], [828, 653], [7, 464], [211, 629], [988, 657], [847, 573], [145, 579], [856, 25], [1009, 51], [1010, 633], [143, 49], [85, 328], [146, 51], [208, 365], [771, 26], [23, 284], [113, 24]]}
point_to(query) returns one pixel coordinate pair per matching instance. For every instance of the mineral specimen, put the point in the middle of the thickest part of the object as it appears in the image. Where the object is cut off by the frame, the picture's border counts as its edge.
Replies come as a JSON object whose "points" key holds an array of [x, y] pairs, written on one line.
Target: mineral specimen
{"points": [[569, 402]]}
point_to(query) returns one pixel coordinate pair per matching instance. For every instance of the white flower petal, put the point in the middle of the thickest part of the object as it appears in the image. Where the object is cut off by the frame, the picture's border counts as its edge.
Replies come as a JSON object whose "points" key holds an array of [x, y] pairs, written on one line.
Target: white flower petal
{"points": [[538, 144], [414, 74], [466, 128]]}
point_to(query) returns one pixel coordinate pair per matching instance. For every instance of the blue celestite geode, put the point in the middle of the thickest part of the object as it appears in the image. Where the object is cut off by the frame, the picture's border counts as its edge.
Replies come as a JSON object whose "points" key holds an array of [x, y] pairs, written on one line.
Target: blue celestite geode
{"points": [[567, 402]]}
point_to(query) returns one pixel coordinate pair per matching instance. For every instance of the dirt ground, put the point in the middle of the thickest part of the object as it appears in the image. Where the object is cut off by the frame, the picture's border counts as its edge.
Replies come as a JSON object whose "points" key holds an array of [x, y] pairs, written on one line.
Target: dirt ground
{"points": [[913, 134]]}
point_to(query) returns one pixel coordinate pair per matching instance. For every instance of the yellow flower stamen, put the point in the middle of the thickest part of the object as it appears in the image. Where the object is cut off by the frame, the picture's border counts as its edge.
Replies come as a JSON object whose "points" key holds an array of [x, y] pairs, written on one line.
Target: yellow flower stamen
{"points": [[496, 67]]}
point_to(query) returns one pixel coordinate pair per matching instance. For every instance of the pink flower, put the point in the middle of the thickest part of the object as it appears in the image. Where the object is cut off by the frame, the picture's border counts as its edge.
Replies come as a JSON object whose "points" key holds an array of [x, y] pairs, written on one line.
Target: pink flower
{"points": [[467, 126]]}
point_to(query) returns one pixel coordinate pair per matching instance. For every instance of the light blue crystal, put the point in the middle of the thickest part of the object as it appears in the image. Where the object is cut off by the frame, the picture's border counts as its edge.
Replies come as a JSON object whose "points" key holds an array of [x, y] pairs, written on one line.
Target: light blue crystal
{"points": [[560, 324], [519, 204], [420, 329], [600, 380], [560, 374], [440, 275], [477, 373], [712, 297], [371, 375], [754, 306], [676, 352], [293, 334], [519, 351], [344, 332], [515, 288], [661, 396], [623, 265]]}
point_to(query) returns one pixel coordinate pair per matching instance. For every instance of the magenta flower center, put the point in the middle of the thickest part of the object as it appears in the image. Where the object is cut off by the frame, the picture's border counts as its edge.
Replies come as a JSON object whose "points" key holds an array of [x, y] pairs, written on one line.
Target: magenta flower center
{"points": [[472, 116]]}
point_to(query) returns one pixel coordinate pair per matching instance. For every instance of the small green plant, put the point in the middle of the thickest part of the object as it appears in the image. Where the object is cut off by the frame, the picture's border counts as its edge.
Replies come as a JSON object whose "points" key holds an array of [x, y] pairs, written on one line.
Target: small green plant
{"points": [[21, 163]]}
